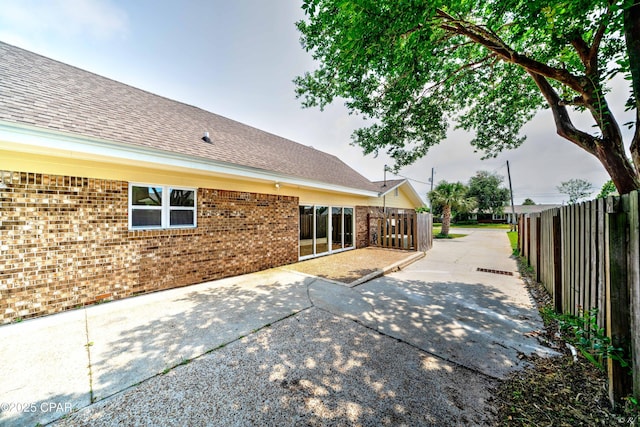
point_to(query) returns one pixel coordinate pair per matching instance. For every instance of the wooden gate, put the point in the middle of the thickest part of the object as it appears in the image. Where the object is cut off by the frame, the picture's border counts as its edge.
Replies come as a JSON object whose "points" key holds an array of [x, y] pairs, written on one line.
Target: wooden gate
{"points": [[401, 230]]}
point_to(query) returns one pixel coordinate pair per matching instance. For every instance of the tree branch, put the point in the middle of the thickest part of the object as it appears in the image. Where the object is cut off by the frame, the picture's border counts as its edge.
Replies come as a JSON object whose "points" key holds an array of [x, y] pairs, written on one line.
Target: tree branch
{"points": [[564, 126], [631, 20], [578, 100], [471, 65], [584, 52], [589, 54], [495, 44]]}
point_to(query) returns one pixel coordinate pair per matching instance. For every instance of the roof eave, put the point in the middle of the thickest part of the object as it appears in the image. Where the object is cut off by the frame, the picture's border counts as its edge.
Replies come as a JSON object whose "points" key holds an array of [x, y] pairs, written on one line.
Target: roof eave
{"points": [[33, 139], [411, 192], [384, 193]]}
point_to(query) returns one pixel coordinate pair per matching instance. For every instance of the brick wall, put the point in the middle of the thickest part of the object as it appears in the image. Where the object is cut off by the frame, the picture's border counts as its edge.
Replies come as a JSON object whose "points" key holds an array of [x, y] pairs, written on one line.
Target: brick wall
{"points": [[362, 226], [363, 216], [64, 242]]}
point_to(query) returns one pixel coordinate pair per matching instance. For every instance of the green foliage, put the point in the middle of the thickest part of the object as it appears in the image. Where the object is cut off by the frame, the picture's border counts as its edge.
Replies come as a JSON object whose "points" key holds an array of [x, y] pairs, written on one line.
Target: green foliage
{"points": [[423, 209], [528, 202], [576, 189], [608, 189], [513, 239], [449, 235], [454, 195], [486, 188], [488, 66], [583, 332], [451, 196], [475, 224]]}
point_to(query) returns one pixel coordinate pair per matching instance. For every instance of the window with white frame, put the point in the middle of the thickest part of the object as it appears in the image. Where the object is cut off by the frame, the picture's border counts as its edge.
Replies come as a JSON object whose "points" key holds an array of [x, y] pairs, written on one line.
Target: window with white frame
{"points": [[161, 206]]}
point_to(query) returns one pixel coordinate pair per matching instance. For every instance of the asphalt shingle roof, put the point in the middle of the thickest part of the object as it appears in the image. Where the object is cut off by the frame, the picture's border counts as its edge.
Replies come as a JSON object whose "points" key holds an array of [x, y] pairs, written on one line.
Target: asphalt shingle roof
{"points": [[388, 184], [45, 93]]}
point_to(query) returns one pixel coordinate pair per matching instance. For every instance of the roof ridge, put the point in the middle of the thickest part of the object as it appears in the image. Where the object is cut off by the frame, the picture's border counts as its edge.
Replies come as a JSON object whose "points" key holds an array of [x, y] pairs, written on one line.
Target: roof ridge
{"points": [[86, 103], [112, 80]]}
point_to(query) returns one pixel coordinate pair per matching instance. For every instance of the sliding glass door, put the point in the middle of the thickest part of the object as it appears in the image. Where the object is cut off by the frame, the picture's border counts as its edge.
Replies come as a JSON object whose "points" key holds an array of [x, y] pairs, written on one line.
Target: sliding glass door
{"points": [[348, 227], [325, 229], [306, 231], [322, 229], [336, 228]]}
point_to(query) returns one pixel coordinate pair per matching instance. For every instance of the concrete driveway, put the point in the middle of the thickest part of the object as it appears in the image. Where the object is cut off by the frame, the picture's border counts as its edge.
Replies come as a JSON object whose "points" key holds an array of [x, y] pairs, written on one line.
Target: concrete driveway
{"points": [[422, 346], [464, 302]]}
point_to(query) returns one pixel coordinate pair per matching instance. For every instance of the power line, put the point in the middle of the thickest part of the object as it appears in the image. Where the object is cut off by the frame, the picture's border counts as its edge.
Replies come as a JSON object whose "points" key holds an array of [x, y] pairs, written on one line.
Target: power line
{"points": [[411, 179]]}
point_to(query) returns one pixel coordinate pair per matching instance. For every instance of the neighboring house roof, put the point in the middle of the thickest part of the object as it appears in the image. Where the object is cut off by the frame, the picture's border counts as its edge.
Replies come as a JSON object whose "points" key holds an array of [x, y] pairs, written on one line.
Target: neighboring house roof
{"points": [[389, 185], [528, 209], [47, 94]]}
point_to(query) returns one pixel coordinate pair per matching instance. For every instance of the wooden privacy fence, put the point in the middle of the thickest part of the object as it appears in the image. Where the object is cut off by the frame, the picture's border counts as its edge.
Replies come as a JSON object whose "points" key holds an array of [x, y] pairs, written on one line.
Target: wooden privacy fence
{"points": [[588, 257], [401, 230]]}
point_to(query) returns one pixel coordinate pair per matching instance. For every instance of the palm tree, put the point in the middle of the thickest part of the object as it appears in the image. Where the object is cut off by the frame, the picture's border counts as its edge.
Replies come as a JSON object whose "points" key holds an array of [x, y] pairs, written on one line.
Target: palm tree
{"points": [[451, 195]]}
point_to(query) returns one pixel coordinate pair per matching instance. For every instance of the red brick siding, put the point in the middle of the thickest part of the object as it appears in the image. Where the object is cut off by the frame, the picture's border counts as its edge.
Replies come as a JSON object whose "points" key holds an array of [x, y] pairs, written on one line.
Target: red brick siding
{"points": [[362, 226], [363, 217], [64, 242]]}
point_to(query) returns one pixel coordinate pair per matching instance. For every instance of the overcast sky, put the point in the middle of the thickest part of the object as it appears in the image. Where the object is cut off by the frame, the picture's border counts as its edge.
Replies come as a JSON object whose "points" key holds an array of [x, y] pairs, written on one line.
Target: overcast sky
{"points": [[238, 59]]}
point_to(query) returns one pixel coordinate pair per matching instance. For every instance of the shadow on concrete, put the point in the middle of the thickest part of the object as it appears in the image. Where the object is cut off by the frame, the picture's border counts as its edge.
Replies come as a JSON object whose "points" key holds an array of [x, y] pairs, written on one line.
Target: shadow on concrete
{"points": [[310, 369], [130, 345], [349, 276], [471, 324]]}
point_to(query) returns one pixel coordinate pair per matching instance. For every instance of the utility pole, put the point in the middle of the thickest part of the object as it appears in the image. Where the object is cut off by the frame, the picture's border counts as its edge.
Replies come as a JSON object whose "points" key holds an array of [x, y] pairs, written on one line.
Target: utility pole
{"points": [[513, 208], [432, 179], [384, 198], [385, 176]]}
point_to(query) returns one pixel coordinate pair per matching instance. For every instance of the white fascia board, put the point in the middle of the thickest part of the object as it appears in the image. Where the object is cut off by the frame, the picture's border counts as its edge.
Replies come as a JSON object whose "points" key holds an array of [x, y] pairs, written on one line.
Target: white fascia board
{"points": [[384, 193], [413, 195], [40, 140]]}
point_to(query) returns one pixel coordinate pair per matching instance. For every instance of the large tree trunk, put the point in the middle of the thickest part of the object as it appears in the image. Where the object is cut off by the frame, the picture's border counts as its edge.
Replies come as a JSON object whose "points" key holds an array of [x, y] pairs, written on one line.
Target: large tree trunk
{"points": [[622, 172], [610, 150], [446, 220], [632, 39]]}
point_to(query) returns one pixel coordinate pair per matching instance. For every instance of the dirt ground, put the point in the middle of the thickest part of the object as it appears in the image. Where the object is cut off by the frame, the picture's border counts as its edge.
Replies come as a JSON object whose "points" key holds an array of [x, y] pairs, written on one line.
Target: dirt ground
{"points": [[349, 266], [559, 391]]}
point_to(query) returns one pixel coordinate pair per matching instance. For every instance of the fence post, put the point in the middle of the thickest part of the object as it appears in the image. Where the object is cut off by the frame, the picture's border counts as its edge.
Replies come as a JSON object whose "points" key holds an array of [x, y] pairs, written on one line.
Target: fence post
{"points": [[528, 245], [602, 268], [634, 285], [538, 246], [557, 264], [520, 234], [618, 320]]}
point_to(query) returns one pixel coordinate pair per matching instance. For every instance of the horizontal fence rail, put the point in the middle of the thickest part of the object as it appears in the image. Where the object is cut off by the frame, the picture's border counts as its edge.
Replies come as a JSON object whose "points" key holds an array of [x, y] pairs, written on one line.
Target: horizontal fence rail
{"points": [[587, 257]]}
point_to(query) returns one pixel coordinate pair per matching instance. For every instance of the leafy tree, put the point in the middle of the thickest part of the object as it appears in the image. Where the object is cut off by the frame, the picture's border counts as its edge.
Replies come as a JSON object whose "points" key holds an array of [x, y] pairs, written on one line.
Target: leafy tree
{"points": [[528, 202], [607, 190], [423, 209], [576, 189], [489, 65], [485, 187], [451, 195]]}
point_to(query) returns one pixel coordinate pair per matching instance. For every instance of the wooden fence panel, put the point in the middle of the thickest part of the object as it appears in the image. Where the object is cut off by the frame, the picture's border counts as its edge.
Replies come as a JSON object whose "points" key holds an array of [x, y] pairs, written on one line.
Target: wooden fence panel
{"points": [[533, 241], [424, 223], [634, 285], [550, 244], [571, 261], [557, 261], [565, 256], [602, 269], [618, 310], [588, 256]]}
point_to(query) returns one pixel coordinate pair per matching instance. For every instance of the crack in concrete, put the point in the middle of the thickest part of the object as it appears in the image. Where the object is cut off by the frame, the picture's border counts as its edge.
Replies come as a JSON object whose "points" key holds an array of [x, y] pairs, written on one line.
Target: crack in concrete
{"points": [[88, 345]]}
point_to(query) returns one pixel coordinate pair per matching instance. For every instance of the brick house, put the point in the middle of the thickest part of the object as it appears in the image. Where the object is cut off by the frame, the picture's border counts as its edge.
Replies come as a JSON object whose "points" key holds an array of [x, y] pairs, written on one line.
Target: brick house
{"points": [[108, 191]]}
